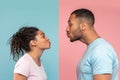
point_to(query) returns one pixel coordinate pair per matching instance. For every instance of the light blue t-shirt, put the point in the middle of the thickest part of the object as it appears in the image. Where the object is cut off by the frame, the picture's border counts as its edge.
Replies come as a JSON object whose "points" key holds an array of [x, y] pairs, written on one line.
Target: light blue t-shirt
{"points": [[99, 58]]}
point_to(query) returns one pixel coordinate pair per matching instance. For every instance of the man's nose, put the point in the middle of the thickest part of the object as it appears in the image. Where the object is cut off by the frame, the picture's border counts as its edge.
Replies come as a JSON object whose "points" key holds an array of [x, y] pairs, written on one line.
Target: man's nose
{"points": [[67, 29]]}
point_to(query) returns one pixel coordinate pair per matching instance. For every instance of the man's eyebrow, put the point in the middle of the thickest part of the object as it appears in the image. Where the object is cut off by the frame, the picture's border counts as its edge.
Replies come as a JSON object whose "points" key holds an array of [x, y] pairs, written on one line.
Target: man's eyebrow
{"points": [[68, 21]]}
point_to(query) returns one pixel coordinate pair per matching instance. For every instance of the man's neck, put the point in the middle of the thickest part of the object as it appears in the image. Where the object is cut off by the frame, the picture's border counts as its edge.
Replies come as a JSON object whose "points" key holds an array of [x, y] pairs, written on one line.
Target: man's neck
{"points": [[89, 37]]}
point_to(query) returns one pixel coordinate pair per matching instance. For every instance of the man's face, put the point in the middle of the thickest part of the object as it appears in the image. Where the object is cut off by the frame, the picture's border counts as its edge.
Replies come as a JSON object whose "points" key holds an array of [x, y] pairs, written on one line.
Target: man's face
{"points": [[73, 29]]}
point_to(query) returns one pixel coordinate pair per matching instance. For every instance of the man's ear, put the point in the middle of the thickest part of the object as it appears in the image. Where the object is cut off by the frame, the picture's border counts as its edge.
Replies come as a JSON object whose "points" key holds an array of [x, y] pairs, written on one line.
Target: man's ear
{"points": [[83, 26]]}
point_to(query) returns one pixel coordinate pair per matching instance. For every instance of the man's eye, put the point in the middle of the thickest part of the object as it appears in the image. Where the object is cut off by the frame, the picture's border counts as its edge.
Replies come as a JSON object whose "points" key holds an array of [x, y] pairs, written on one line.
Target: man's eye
{"points": [[70, 24]]}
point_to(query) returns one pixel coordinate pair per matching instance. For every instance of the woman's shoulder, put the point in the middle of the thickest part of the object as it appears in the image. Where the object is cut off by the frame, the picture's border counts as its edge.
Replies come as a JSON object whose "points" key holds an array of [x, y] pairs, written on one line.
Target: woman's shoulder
{"points": [[24, 59], [23, 65]]}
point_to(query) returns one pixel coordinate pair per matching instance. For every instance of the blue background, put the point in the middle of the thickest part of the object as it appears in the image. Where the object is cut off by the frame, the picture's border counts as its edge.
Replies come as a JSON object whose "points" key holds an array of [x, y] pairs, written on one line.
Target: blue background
{"points": [[17, 13]]}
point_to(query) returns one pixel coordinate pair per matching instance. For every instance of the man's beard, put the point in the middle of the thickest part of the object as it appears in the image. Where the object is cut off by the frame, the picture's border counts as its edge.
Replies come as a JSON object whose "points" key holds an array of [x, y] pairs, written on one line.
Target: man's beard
{"points": [[77, 35], [75, 38]]}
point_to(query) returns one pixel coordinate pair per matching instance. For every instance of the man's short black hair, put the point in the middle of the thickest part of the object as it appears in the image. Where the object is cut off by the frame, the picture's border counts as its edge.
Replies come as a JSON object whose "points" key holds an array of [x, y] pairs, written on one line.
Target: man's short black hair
{"points": [[86, 14]]}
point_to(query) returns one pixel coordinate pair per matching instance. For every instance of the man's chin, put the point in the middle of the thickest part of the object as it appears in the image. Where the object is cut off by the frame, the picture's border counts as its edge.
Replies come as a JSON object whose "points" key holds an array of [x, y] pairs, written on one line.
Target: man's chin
{"points": [[72, 40]]}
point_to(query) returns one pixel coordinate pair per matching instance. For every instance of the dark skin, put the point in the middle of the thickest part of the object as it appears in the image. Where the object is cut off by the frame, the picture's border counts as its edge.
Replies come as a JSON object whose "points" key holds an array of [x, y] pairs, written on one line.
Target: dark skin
{"points": [[37, 47], [85, 34]]}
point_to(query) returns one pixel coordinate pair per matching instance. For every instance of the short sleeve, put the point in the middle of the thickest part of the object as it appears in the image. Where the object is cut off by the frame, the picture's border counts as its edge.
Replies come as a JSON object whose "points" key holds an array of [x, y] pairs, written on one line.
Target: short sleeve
{"points": [[22, 67], [102, 61]]}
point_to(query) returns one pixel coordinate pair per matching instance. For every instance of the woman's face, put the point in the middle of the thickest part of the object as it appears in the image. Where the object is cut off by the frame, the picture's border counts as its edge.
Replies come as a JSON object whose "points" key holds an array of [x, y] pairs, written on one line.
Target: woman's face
{"points": [[42, 42]]}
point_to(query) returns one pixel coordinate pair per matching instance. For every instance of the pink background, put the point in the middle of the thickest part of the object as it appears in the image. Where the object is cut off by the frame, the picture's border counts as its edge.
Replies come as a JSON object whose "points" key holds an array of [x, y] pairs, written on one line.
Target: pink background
{"points": [[107, 24]]}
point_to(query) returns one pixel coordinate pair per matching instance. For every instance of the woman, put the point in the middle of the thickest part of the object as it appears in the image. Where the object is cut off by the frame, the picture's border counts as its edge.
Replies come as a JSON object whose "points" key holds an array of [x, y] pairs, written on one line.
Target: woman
{"points": [[29, 42]]}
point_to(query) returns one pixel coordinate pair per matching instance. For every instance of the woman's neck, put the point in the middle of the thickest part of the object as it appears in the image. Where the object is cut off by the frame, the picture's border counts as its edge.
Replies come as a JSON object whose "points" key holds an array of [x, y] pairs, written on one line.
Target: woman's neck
{"points": [[36, 56]]}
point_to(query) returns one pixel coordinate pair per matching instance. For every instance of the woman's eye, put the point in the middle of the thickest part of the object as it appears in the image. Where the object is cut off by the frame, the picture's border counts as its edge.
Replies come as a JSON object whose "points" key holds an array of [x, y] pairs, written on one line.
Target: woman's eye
{"points": [[43, 36]]}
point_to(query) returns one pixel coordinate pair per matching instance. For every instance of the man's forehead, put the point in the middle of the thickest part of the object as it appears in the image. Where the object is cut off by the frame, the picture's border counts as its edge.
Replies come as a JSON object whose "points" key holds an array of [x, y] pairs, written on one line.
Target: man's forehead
{"points": [[72, 17]]}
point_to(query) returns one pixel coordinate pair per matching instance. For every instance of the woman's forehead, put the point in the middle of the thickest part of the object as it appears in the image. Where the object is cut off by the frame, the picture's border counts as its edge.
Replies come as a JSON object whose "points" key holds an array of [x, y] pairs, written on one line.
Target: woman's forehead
{"points": [[40, 32]]}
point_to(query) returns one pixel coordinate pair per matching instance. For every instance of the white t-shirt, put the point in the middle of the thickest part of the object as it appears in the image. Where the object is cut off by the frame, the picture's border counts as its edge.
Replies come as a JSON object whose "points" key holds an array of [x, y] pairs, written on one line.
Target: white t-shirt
{"points": [[27, 67]]}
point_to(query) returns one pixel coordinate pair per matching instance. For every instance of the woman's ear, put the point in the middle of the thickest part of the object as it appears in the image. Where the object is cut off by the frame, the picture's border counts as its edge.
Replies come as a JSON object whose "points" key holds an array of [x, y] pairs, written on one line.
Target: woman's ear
{"points": [[33, 43]]}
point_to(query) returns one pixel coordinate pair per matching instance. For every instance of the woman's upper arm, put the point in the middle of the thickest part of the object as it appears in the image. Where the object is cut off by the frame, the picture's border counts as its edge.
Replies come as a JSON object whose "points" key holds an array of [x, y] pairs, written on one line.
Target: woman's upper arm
{"points": [[19, 77]]}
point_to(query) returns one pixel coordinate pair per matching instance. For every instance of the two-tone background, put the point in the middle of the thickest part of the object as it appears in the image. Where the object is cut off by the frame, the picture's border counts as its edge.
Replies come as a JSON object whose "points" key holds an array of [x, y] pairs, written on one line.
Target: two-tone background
{"points": [[51, 16]]}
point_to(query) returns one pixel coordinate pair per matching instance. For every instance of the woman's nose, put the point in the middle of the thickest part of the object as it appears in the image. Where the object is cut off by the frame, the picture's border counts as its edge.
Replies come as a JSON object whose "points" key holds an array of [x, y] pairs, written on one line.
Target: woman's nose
{"points": [[47, 38]]}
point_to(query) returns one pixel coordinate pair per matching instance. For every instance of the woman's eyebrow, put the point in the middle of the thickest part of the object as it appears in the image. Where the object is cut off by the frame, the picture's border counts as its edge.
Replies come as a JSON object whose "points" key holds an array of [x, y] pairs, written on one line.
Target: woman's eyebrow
{"points": [[42, 33]]}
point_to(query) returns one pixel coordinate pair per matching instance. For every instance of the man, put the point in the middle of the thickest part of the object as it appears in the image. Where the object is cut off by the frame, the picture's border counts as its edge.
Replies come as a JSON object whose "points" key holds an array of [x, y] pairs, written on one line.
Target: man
{"points": [[99, 61]]}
